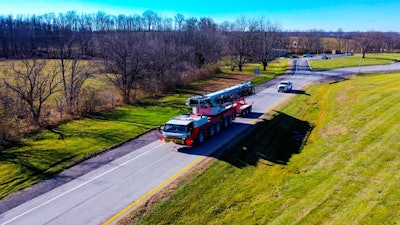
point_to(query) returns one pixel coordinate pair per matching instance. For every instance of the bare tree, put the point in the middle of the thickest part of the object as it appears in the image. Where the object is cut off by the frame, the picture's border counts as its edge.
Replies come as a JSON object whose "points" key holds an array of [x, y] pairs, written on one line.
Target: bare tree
{"points": [[74, 73], [11, 117], [339, 38], [179, 19], [365, 41], [268, 43], [391, 41], [6, 112], [239, 42], [151, 18], [102, 21], [123, 61], [163, 57], [208, 46], [311, 42], [34, 84], [239, 49]]}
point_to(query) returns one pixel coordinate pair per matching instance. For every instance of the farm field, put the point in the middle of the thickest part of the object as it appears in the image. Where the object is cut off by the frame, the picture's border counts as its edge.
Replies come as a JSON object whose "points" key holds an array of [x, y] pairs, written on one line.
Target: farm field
{"points": [[344, 172]]}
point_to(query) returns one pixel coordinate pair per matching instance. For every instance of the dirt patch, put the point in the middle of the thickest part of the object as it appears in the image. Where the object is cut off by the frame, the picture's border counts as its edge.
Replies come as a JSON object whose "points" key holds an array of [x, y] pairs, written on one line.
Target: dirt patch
{"points": [[221, 83]]}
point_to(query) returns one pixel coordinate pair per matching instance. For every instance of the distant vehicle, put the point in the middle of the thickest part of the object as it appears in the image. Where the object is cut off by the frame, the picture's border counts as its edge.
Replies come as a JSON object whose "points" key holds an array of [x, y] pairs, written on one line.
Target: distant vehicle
{"points": [[308, 55], [292, 56], [285, 86], [349, 53], [325, 57]]}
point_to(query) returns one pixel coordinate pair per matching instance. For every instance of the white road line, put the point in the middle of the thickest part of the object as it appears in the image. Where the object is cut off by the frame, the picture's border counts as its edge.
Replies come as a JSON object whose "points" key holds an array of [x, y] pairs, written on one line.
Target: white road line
{"points": [[296, 66], [79, 186]]}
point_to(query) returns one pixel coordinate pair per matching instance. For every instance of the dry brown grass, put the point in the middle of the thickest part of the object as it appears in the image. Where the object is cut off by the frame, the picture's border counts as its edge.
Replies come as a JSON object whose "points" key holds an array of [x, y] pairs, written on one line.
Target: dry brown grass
{"points": [[221, 83]]}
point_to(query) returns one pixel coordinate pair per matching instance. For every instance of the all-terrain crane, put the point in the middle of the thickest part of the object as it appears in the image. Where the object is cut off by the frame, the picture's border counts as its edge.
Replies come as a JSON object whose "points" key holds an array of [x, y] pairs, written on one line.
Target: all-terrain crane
{"points": [[210, 113]]}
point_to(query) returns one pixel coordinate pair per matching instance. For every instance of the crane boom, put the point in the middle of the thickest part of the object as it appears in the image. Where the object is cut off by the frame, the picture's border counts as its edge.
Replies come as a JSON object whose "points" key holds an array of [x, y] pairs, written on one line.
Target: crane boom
{"points": [[216, 102]]}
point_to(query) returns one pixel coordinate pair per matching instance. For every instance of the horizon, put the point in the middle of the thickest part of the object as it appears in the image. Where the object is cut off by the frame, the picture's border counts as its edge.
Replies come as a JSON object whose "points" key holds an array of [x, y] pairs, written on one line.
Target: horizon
{"points": [[301, 15]]}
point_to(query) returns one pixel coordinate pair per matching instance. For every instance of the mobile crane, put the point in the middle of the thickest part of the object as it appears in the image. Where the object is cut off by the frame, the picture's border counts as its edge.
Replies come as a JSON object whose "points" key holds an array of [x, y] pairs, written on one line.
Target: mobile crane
{"points": [[210, 113]]}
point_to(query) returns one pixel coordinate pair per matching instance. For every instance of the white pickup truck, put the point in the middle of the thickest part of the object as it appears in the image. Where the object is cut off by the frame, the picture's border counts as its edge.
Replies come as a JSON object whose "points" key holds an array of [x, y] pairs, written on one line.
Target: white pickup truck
{"points": [[285, 86]]}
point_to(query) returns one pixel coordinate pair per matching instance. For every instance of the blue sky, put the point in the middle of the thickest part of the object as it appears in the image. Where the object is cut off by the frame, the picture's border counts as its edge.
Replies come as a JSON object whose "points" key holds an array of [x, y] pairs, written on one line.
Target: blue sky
{"points": [[348, 15]]}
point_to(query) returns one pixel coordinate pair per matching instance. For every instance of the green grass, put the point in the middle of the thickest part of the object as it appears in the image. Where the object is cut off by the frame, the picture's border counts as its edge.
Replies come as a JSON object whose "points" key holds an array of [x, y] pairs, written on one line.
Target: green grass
{"points": [[330, 157], [42, 154], [354, 61], [277, 67]]}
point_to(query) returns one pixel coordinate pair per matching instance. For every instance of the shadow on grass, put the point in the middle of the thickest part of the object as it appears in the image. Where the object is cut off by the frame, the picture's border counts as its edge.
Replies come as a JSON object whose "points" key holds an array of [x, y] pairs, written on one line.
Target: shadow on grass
{"points": [[33, 164], [298, 92], [54, 129], [275, 140]]}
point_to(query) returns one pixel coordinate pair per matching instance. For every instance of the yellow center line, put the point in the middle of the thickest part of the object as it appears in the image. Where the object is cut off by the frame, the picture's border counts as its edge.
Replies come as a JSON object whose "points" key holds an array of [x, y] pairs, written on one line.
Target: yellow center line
{"points": [[158, 187]]}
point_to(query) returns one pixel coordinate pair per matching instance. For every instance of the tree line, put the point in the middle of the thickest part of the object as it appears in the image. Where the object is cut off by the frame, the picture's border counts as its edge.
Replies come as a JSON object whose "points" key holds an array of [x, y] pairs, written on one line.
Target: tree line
{"points": [[47, 59], [39, 34]]}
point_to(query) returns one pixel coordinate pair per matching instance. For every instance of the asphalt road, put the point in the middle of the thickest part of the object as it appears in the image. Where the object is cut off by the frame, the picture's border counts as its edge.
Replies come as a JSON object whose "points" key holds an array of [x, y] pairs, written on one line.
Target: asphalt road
{"points": [[101, 188]]}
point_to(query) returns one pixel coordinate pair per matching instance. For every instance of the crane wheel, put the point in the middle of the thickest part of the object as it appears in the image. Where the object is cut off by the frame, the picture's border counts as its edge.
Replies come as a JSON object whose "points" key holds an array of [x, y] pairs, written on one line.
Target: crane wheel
{"points": [[226, 122], [217, 127], [201, 137], [211, 131], [230, 119]]}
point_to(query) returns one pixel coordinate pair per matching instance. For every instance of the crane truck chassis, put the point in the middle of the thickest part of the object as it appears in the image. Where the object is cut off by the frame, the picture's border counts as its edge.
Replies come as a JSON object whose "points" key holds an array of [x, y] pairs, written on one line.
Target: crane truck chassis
{"points": [[210, 114]]}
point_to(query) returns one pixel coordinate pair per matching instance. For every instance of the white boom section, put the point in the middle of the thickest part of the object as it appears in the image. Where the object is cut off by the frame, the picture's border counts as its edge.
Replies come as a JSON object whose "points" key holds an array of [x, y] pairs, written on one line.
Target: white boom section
{"points": [[216, 102]]}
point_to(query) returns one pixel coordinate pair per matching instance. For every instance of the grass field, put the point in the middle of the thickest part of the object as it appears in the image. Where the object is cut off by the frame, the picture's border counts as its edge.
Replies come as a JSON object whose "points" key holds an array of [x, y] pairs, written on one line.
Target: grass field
{"points": [[355, 60], [331, 157]]}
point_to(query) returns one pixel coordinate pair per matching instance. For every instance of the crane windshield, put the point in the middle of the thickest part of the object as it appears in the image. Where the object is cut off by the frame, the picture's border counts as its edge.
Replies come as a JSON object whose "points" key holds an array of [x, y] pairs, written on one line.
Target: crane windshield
{"points": [[174, 128]]}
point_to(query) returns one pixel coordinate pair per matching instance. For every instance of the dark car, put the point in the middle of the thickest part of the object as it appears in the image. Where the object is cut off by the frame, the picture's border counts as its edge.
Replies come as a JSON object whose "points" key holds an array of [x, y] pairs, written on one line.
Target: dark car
{"points": [[325, 57], [308, 55]]}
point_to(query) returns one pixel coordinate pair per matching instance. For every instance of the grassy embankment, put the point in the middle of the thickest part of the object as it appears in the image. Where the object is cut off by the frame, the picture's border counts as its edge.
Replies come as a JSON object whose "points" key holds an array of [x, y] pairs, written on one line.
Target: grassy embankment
{"points": [[344, 172], [42, 154], [354, 61]]}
